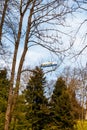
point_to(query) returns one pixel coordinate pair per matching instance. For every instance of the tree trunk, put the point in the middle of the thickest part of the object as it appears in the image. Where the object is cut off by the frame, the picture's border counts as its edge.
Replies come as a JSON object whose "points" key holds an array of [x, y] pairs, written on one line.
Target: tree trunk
{"points": [[10, 97], [13, 98], [23, 57], [3, 18]]}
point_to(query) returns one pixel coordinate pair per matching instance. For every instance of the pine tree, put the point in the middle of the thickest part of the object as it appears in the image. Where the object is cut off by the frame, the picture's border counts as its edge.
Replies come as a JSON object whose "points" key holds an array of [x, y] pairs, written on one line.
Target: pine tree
{"points": [[4, 86], [37, 111], [61, 109], [19, 121]]}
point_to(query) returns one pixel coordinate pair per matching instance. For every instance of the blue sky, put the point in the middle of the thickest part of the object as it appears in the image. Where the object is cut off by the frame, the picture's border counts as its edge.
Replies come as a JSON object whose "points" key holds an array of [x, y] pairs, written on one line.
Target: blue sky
{"points": [[37, 55]]}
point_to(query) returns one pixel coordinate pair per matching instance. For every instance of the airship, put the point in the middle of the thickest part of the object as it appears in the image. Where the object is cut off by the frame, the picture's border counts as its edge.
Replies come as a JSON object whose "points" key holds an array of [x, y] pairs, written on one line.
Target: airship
{"points": [[49, 64]]}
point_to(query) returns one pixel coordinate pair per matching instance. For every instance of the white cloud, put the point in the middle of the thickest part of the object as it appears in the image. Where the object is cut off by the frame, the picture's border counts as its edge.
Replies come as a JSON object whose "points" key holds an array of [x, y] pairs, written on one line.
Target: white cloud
{"points": [[36, 56]]}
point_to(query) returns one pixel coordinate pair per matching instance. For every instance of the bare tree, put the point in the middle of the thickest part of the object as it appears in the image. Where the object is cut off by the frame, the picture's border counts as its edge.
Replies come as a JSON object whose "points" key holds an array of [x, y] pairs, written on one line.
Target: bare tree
{"points": [[83, 79], [3, 18], [35, 23], [77, 81], [81, 31], [3, 9]]}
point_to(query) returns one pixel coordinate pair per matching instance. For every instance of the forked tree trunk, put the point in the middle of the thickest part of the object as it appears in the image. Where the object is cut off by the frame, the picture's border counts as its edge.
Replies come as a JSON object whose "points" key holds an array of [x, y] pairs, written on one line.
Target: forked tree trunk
{"points": [[13, 98], [10, 97], [23, 56]]}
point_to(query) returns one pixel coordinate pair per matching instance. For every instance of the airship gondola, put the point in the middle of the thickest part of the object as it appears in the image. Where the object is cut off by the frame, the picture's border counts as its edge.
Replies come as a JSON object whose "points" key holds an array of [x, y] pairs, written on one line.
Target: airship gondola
{"points": [[49, 64]]}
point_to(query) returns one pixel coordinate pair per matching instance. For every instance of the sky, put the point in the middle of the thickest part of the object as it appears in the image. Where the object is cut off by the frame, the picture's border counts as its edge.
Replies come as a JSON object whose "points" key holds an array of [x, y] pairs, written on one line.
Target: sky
{"points": [[37, 55]]}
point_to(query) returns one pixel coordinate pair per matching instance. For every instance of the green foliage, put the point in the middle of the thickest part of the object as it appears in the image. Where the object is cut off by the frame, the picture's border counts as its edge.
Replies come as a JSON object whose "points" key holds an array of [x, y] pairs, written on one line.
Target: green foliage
{"points": [[61, 109], [37, 111], [4, 85], [34, 112], [19, 121], [3, 74], [59, 87], [81, 125]]}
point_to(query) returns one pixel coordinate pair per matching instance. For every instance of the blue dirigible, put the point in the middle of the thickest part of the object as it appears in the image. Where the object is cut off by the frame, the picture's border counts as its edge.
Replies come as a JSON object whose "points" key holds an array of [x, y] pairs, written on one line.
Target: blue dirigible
{"points": [[49, 64]]}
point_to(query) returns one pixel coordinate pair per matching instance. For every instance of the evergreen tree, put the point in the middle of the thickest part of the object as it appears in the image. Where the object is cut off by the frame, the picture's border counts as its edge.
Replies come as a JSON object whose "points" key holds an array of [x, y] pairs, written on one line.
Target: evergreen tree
{"points": [[37, 111], [4, 85], [61, 109], [19, 121]]}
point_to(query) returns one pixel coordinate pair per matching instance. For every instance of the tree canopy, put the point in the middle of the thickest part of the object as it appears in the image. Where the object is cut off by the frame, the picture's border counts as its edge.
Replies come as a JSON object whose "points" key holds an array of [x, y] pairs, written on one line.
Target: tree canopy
{"points": [[37, 104], [4, 88], [62, 113]]}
